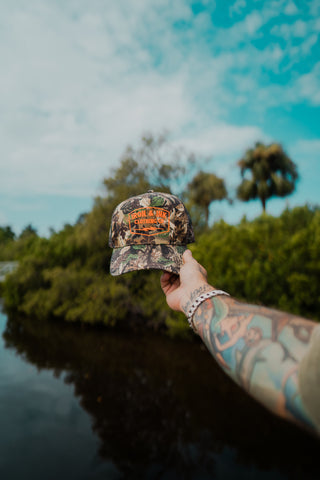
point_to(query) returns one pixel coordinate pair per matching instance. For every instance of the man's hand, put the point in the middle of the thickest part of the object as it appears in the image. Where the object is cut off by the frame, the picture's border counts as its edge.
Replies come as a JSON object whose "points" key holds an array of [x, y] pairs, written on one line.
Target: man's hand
{"points": [[182, 290]]}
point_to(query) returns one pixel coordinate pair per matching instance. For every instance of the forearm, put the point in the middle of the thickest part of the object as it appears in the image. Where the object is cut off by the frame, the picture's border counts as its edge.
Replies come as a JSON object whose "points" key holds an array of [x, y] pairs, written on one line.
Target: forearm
{"points": [[273, 355], [260, 348]]}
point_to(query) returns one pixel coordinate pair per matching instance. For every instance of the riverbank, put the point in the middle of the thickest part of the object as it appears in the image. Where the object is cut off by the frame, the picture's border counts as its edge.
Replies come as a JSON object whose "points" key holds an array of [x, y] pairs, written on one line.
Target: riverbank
{"points": [[270, 261]]}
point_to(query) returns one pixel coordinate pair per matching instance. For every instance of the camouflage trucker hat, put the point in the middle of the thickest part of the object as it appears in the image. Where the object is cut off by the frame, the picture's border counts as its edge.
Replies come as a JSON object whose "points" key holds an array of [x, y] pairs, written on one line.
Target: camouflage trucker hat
{"points": [[149, 231]]}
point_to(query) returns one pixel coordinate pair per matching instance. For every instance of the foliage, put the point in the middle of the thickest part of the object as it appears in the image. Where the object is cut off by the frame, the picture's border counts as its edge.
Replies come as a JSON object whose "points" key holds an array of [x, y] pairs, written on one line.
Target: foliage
{"points": [[273, 173], [155, 164], [28, 231], [66, 276], [274, 261], [12, 248], [270, 261], [204, 189], [6, 235]]}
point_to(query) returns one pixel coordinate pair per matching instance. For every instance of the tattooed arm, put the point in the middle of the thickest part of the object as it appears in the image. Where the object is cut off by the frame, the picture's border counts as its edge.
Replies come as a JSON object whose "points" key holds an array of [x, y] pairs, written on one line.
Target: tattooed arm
{"points": [[261, 349]]}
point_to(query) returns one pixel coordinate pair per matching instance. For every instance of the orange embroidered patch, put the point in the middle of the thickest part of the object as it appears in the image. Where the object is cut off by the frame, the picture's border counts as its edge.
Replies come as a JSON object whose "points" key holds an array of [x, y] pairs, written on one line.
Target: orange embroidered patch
{"points": [[149, 221]]}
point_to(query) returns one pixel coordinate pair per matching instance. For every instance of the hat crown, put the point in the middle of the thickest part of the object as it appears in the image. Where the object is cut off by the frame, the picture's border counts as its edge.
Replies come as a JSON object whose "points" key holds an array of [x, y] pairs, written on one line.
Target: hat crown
{"points": [[152, 218]]}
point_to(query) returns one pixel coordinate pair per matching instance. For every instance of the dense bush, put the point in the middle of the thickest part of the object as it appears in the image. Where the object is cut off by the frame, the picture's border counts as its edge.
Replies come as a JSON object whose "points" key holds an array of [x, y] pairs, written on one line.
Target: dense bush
{"points": [[270, 261], [12, 248], [67, 277]]}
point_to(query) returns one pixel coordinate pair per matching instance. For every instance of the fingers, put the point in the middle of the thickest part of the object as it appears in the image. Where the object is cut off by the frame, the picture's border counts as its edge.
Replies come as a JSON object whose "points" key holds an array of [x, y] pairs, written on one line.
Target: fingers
{"points": [[187, 256], [165, 277], [168, 280], [179, 288], [168, 277], [164, 280], [191, 267], [203, 270]]}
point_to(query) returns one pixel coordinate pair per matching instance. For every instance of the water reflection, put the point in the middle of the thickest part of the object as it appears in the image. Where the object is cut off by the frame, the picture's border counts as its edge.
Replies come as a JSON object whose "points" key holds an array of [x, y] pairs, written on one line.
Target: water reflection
{"points": [[164, 409]]}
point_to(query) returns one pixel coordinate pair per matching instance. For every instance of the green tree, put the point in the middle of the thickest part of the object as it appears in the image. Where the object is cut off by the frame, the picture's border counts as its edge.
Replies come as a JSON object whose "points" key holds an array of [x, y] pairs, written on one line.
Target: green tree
{"points": [[204, 189], [126, 180], [272, 261], [273, 173], [28, 231], [6, 234], [156, 163]]}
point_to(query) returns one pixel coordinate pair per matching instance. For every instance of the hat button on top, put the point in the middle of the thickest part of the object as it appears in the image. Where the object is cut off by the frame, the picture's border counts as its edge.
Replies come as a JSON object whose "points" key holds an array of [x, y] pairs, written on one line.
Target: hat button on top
{"points": [[150, 191]]}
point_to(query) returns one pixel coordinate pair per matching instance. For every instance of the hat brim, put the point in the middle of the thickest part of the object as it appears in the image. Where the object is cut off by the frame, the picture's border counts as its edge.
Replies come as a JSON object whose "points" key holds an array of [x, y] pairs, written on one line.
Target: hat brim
{"points": [[147, 257]]}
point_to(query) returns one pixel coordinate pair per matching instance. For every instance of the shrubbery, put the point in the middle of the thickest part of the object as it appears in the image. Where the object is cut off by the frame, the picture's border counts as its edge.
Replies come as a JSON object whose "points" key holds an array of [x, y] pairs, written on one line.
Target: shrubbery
{"points": [[270, 261]]}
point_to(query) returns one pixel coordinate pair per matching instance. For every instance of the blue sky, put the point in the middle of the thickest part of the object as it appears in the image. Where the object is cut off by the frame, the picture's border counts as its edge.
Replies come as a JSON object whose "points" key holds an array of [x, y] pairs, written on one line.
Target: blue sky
{"points": [[81, 80]]}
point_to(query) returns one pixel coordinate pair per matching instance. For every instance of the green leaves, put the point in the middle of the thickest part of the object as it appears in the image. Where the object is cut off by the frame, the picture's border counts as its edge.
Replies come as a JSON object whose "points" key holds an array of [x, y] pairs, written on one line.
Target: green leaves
{"points": [[274, 261], [204, 189], [247, 190], [270, 261], [273, 173]]}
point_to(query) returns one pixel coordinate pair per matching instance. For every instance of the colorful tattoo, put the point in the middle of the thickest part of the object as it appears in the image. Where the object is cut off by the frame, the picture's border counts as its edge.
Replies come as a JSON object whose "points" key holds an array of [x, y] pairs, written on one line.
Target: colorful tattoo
{"points": [[260, 349]]}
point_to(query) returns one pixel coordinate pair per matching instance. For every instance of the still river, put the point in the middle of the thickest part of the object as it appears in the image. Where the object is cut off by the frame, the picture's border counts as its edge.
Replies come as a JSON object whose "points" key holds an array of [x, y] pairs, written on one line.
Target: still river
{"points": [[79, 403]]}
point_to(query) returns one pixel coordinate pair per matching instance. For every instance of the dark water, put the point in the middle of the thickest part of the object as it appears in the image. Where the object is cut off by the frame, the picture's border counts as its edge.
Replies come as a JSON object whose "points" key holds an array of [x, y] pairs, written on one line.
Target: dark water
{"points": [[78, 403]]}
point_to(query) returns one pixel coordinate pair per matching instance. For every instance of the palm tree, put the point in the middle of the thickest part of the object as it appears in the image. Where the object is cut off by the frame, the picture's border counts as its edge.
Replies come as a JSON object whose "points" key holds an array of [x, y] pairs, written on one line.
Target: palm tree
{"points": [[273, 173], [204, 189]]}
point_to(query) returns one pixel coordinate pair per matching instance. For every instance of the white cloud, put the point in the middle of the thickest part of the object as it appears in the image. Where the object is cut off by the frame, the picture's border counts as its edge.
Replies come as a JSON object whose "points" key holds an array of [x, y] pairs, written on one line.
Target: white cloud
{"points": [[297, 29], [67, 155], [78, 84], [77, 90], [223, 145], [237, 7], [308, 86], [223, 139], [240, 32], [252, 23], [309, 43], [314, 8], [291, 8]]}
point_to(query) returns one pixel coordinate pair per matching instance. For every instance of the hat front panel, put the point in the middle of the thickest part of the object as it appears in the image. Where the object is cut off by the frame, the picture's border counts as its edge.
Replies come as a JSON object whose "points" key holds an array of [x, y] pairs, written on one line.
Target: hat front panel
{"points": [[150, 219]]}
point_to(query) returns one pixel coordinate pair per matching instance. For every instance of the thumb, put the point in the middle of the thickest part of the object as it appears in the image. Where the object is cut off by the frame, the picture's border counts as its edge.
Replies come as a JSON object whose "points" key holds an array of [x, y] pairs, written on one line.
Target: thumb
{"points": [[187, 256]]}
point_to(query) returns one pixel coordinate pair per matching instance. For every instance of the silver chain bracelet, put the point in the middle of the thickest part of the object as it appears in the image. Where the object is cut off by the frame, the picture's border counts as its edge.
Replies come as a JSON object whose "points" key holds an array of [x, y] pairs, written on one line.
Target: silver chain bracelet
{"points": [[198, 301]]}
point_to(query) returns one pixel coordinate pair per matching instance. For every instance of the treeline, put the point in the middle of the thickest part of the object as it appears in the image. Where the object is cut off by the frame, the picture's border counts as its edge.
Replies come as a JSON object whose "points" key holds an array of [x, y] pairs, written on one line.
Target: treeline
{"points": [[271, 261], [274, 261]]}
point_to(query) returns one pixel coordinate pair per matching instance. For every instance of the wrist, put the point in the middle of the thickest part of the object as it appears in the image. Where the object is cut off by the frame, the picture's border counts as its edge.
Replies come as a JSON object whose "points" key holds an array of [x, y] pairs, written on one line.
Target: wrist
{"points": [[192, 293], [198, 301]]}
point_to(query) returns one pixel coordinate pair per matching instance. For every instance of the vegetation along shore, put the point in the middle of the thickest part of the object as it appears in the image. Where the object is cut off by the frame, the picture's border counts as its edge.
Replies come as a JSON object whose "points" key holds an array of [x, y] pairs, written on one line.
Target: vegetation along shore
{"points": [[270, 260]]}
